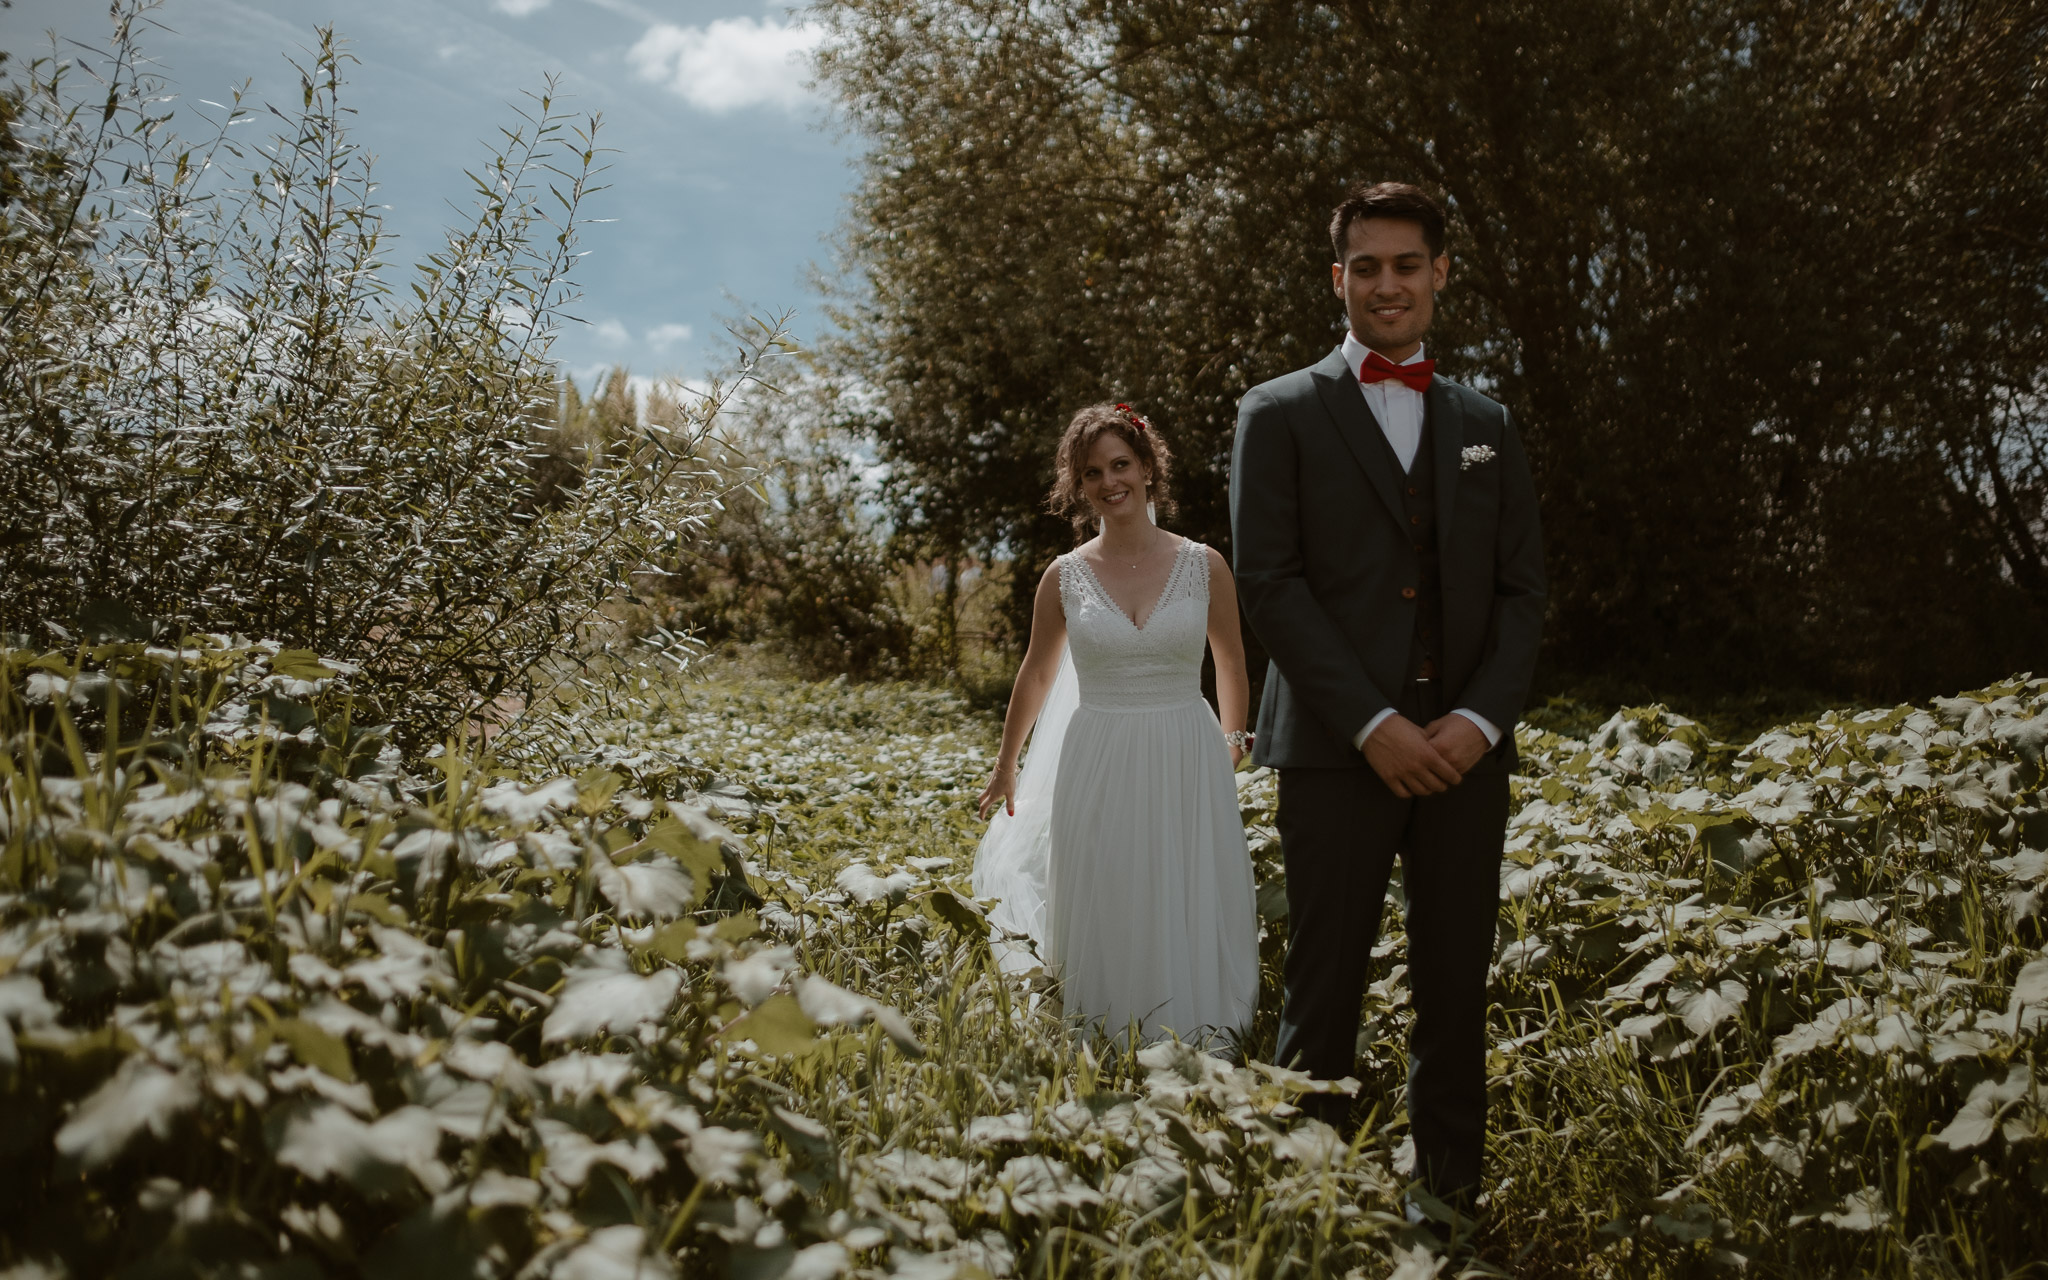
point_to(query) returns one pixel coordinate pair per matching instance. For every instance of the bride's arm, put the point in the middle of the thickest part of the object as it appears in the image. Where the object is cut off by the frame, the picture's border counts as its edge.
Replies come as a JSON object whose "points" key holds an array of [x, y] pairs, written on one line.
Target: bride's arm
{"points": [[1226, 642], [1034, 681]]}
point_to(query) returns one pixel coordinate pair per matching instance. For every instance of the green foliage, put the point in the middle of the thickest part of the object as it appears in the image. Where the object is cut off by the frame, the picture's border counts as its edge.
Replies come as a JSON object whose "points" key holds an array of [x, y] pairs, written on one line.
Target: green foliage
{"points": [[221, 411], [1778, 1005], [799, 561], [804, 546], [1732, 986], [1764, 284], [1871, 882], [274, 1002], [269, 998]]}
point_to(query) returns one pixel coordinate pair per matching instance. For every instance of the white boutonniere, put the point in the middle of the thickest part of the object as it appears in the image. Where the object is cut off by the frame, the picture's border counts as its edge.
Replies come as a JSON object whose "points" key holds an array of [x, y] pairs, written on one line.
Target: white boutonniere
{"points": [[1474, 454]]}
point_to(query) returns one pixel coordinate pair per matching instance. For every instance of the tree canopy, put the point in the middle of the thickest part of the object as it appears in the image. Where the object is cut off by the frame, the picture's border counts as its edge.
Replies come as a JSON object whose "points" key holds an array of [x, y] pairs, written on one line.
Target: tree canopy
{"points": [[1765, 283]]}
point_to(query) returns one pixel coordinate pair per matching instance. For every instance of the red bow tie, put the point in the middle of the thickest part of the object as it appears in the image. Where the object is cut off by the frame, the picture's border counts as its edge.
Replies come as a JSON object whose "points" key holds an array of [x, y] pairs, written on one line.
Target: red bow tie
{"points": [[1377, 368]]}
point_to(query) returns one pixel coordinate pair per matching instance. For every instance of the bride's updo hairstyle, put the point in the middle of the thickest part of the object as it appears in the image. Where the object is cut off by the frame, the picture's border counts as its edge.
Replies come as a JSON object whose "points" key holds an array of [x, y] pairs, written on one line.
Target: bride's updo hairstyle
{"points": [[1071, 459]]}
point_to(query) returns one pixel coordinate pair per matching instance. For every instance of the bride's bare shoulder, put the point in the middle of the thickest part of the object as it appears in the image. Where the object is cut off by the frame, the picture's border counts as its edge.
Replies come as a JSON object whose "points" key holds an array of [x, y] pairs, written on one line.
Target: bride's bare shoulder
{"points": [[1049, 581], [1048, 601]]}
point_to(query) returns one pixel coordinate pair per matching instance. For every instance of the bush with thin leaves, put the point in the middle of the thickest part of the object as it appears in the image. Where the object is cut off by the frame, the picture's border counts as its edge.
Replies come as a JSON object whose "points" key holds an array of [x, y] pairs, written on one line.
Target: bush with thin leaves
{"points": [[221, 410]]}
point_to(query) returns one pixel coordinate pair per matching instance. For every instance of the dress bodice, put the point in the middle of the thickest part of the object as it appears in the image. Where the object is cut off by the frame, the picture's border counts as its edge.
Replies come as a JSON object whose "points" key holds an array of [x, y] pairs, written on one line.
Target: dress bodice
{"points": [[1122, 666]]}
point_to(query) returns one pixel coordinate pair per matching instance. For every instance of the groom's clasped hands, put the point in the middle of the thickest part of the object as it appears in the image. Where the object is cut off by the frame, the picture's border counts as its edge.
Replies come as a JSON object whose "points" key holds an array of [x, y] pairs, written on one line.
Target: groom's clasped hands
{"points": [[1417, 761]]}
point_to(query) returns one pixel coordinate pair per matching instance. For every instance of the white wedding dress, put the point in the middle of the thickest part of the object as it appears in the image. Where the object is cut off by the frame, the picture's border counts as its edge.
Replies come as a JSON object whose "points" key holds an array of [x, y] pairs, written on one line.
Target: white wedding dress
{"points": [[1125, 863]]}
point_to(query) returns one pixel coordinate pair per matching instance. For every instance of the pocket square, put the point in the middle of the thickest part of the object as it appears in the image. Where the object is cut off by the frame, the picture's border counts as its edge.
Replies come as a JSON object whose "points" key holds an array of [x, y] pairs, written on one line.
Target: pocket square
{"points": [[1474, 454]]}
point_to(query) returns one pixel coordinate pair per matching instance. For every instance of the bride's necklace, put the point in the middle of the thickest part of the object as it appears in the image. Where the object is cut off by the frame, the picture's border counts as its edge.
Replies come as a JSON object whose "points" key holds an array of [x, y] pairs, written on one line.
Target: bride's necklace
{"points": [[1142, 555]]}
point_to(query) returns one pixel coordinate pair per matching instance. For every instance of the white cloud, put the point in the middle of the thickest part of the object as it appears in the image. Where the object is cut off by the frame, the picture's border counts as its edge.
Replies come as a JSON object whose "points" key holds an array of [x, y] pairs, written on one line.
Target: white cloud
{"points": [[663, 336], [729, 63], [612, 333], [519, 8]]}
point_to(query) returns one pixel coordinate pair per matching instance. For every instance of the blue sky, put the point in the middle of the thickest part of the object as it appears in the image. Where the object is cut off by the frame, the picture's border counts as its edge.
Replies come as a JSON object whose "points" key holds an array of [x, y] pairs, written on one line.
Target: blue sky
{"points": [[726, 179]]}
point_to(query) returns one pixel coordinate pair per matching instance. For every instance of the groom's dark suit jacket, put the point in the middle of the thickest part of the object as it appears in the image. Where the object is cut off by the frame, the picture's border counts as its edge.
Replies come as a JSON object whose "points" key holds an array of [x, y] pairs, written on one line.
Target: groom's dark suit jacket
{"points": [[1323, 556]]}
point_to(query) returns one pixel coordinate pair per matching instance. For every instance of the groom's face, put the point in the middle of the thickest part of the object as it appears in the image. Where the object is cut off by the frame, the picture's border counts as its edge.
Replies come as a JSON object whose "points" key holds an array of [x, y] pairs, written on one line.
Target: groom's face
{"points": [[1388, 282]]}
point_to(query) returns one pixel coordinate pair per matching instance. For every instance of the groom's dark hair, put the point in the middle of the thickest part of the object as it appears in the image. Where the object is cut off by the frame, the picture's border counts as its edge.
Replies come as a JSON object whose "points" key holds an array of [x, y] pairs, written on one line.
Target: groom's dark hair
{"points": [[1388, 200]]}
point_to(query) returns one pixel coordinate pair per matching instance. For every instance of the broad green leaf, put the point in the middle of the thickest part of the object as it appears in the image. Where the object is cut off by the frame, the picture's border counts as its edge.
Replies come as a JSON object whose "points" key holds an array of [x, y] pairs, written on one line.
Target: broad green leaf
{"points": [[316, 1047], [961, 914], [672, 940], [594, 790], [702, 858], [598, 998], [778, 1025], [301, 664], [322, 1140], [737, 927], [141, 1095]]}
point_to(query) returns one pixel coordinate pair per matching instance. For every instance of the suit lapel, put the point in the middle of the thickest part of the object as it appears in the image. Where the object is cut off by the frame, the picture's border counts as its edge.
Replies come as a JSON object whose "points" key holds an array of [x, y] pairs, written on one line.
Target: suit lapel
{"points": [[1361, 432], [1447, 433]]}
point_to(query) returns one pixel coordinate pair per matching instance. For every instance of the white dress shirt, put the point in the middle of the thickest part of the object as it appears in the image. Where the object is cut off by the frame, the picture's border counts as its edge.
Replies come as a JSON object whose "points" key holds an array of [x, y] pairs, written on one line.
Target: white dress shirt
{"points": [[1395, 405], [1398, 408]]}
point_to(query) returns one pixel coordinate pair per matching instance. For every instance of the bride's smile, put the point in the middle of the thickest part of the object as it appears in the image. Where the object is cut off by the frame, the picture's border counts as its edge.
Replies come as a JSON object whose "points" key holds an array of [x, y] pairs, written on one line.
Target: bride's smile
{"points": [[1114, 477]]}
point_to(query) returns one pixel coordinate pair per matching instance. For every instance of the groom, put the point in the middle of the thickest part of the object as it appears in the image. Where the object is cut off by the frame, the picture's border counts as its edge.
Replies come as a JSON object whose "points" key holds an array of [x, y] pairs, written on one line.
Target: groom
{"points": [[1388, 556]]}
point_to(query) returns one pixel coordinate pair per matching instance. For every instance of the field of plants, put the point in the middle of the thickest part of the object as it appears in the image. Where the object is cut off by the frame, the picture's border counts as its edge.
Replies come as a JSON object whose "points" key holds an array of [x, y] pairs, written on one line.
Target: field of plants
{"points": [[680, 974], [693, 984]]}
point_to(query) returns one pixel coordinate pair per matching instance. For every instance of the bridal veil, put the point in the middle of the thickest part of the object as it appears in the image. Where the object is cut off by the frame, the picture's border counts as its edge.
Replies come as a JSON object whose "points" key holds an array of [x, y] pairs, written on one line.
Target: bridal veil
{"points": [[1015, 856]]}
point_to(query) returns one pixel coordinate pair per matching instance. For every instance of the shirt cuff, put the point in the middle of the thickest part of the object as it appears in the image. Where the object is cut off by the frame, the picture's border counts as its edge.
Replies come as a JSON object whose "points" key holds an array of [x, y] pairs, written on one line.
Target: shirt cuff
{"points": [[1358, 743], [1485, 725]]}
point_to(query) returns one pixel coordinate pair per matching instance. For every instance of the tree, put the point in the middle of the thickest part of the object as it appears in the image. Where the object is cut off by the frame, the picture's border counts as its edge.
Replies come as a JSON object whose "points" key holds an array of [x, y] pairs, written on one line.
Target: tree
{"points": [[1765, 283]]}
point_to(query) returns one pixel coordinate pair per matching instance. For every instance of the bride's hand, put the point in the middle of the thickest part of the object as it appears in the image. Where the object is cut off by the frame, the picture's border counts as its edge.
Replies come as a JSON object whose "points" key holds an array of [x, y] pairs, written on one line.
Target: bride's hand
{"points": [[1001, 789]]}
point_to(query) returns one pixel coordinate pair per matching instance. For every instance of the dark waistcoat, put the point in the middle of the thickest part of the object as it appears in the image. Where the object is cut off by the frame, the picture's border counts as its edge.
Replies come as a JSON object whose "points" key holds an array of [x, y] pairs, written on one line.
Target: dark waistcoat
{"points": [[1418, 513]]}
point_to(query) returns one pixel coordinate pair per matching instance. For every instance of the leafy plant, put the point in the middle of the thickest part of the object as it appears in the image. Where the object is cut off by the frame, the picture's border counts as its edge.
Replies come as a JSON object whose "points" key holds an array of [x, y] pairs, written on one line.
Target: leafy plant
{"points": [[276, 1001], [1771, 1007], [268, 997], [219, 411]]}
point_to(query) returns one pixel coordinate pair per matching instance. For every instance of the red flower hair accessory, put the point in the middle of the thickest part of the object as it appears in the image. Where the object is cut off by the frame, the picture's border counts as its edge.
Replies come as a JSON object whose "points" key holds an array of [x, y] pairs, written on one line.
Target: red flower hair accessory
{"points": [[1131, 416]]}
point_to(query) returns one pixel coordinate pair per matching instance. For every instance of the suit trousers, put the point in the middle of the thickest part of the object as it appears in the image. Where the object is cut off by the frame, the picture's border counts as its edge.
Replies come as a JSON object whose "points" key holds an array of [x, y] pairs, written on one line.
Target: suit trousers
{"points": [[1340, 830]]}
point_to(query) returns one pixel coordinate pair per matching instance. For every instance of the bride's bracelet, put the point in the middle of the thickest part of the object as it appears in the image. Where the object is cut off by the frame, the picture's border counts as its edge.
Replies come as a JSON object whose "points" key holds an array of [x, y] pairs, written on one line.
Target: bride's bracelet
{"points": [[1240, 739]]}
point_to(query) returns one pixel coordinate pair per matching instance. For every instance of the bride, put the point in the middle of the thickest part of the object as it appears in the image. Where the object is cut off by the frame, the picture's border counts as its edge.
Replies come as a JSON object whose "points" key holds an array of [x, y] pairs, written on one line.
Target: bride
{"points": [[1120, 852]]}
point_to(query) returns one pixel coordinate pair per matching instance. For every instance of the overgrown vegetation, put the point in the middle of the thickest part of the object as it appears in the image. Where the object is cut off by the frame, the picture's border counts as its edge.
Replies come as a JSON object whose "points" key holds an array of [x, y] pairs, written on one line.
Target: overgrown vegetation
{"points": [[221, 410], [298, 977], [1765, 284], [275, 1001], [801, 566]]}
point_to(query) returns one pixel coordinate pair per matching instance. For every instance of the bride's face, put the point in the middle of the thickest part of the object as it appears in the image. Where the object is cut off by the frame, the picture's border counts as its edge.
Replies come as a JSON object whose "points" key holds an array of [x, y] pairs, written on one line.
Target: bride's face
{"points": [[1114, 480]]}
